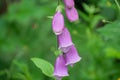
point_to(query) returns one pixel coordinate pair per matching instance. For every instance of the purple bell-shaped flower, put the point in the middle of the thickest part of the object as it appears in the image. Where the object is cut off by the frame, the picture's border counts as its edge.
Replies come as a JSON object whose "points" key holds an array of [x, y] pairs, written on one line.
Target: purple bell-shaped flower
{"points": [[72, 56], [60, 69], [69, 3], [58, 23], [72, 14], [64, 40]]}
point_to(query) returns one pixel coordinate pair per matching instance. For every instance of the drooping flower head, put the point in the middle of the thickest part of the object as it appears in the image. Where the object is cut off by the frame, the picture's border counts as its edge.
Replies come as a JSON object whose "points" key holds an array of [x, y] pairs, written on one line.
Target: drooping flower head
{"points": [[60, 69], [64, 40], [69, 3], [72, 56], [58, 23], [72, 14]]}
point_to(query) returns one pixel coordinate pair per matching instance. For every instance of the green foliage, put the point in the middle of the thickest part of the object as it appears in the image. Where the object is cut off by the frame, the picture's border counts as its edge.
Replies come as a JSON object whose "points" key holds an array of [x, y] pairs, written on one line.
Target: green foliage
{"points": [[111, 31], [45, 66], [111, 52], [111, 36], [25, 32]]}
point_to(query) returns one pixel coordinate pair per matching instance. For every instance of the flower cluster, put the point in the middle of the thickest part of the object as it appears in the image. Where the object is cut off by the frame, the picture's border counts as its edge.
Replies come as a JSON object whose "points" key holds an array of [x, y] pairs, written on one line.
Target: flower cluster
{"points": [[69, 55]]}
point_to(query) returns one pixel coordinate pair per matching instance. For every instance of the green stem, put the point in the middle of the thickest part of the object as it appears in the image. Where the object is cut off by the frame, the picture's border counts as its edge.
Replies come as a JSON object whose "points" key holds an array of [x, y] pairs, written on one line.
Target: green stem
{"points": [[117, 4], [58, 2]]}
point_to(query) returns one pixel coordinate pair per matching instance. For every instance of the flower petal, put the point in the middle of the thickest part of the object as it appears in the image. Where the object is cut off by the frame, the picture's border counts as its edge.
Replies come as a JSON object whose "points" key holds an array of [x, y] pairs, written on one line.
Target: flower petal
{"points": [[58, 23], [60, 69], [72, 14], [72, 56], [69, 3], [64, 40]]}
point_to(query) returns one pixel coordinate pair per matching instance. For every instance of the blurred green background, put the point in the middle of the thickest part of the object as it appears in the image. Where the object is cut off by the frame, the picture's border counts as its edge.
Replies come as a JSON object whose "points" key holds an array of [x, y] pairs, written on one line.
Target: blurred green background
{"points": [[25, 32]]}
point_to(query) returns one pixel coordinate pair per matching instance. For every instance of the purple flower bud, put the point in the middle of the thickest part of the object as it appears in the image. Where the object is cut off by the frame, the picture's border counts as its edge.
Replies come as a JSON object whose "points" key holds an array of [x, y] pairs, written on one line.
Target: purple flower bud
{"points": [[64, 40], [72, 14], [72, 56], [60, 69], [58, 23], [69, 3]]}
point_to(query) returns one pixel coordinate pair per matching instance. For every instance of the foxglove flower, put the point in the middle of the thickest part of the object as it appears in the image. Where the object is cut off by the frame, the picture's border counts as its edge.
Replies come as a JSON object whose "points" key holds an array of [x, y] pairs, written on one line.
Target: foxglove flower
{"points": [[64, 40], [72, 14], [60, 69], [69, 3], [72, 56], [58, 23]]}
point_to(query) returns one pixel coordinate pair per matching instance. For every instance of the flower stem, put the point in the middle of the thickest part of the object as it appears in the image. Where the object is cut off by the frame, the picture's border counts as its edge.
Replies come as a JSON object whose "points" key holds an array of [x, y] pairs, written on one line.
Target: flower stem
{"points": [[58, 2], [117, 4]]}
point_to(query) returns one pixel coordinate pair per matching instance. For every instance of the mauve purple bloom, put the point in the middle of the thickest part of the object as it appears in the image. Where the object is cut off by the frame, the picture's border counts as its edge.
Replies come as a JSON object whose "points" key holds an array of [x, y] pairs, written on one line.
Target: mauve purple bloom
{"points": [[69, 3], [64, 40], [60, 69], [72, 56], [58, 23], [72, 14]]}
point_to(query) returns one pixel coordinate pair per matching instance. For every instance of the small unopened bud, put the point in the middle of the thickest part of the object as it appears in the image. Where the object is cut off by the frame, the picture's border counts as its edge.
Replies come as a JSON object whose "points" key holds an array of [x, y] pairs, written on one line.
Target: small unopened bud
{"points": [[58, 23], [72, 14], [69, 3]]}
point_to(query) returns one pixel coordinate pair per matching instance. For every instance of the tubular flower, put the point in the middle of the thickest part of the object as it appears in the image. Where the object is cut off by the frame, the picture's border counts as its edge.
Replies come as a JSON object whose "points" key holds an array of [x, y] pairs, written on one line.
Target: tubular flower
{"points": [[72, 14], [58, 23], [60, 69], [69, 3], [72, 56], [69, 55], [64, 40]]}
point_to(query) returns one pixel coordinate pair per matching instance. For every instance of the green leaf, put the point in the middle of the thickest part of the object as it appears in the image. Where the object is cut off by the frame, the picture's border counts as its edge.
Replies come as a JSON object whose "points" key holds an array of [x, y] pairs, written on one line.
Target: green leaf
{"points": [[111, 31], [111, 52], [45, 66], [89, 9], [111, 34]]}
